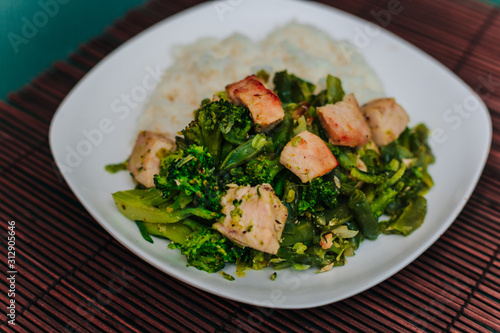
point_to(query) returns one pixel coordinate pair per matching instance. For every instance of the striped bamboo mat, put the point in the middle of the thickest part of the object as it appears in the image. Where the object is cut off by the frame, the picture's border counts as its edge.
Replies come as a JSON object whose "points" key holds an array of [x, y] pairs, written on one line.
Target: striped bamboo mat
{"points": [[73, 276]]}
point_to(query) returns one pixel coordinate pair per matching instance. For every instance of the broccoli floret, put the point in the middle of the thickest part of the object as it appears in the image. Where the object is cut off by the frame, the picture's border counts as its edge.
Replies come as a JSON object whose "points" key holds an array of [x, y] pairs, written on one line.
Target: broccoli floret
{"points": [[190, 171], [237, 176], [260, 170], [207, 250], [214, 122], [318, 193], [263, 169]]}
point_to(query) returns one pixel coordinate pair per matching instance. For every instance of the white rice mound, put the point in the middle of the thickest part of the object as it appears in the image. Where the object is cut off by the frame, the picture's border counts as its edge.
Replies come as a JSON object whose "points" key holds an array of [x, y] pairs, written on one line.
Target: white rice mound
{"points": [[199, 70]]}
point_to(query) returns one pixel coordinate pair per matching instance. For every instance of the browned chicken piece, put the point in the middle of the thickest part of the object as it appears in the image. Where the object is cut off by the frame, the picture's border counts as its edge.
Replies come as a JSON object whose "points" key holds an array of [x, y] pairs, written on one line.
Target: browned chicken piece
{"points": [[230, 88], [255, 217], [265, 107], [308, 156], [344, 123], [386, 118], [144, 162]]}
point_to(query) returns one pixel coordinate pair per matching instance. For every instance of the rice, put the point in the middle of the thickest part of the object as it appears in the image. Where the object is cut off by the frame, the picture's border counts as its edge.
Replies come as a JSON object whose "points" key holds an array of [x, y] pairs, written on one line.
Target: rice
{"points": [[199, 70]]}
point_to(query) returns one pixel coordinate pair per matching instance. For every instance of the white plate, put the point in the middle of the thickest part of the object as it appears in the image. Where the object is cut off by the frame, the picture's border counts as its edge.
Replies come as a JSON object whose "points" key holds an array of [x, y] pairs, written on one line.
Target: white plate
{"points": [[427, 89]]}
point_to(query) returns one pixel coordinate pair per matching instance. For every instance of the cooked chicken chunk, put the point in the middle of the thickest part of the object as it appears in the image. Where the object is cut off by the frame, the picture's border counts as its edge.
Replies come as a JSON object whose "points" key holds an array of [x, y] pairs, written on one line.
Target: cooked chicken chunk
{"points": [[265, 107], [344, 123], [230, 88], [144, 162], [255, 217], [308, 156], [386, 118]]}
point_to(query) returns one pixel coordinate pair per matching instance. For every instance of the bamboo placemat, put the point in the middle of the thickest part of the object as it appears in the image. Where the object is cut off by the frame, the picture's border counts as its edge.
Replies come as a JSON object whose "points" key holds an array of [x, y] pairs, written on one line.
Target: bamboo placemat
{"points": [[73, 276]]}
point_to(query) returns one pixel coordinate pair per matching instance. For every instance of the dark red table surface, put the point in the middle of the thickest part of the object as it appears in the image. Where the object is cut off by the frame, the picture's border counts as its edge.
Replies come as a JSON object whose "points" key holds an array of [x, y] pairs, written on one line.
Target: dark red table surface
{"points": [[73, 276]]}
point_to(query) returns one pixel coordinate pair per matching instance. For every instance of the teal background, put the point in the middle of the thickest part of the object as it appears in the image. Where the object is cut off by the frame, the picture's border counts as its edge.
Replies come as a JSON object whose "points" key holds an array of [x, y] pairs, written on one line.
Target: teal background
{"points": [[75, 22]]}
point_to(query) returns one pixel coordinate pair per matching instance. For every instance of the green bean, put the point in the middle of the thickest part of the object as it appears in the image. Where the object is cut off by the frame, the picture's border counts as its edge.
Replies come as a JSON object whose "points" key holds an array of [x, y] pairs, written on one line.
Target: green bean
{"points": [[283, 132], [245, 152]]}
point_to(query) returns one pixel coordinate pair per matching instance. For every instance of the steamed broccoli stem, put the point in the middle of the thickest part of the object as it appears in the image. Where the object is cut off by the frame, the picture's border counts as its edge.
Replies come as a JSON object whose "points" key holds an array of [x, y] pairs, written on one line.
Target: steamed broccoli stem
{"points": [[411, 217], [371, 159], [367, 177], [150, 197], [181, 201], [397, 175], [176, 232], [379, 204], [363, 215], [141, 205], [245, 152], [213, 142]]}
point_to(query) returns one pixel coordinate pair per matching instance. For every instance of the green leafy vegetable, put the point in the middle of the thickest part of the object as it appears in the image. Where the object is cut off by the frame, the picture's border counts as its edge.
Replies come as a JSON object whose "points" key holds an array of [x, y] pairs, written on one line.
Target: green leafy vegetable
{"points": [[363, 215], [291, 89]]}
